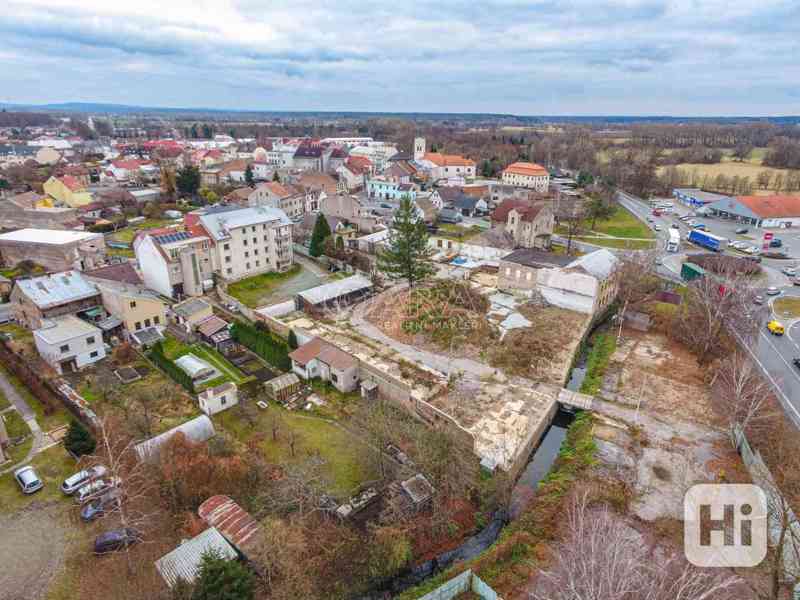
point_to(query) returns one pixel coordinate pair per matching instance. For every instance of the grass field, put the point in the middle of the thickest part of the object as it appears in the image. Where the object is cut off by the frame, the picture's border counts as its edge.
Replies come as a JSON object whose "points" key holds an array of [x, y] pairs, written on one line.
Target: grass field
{"points": [[617, 243], [343, 452], [731, 168], [253, 290], [46, 422], [787, 307], [174, 348], [455, 232], [622, 223], [53, 466]]}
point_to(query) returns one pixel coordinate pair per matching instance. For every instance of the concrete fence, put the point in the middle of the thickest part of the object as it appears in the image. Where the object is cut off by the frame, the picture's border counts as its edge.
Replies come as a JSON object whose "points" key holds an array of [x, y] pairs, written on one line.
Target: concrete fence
{"points": [[466, 581]]}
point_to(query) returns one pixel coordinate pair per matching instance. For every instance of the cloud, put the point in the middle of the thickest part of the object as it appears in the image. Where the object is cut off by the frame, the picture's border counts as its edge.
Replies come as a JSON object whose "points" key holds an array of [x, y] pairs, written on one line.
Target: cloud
{"points": [[526, 57]]}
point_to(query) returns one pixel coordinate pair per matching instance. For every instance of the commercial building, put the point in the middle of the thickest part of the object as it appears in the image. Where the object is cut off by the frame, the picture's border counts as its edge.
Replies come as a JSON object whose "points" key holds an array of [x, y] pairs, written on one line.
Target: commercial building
{"points": [[51, 296], [774, 211], [696, 198], [68, 343], [527, 175], [54, 249]]}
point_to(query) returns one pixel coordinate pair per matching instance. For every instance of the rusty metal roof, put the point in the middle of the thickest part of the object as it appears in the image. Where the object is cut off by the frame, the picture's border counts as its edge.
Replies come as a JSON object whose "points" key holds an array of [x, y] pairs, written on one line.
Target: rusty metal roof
{"points": [[231, 520]]}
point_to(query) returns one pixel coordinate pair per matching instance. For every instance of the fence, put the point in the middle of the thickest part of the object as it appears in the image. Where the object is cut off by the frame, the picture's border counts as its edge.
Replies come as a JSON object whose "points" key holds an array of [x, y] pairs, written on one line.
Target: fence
{"points": [[466, 581]]}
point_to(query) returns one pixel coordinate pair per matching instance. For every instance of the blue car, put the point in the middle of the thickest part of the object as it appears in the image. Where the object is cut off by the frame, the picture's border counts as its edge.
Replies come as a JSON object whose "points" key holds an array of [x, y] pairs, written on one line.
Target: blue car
{"points": [[116, 539]]}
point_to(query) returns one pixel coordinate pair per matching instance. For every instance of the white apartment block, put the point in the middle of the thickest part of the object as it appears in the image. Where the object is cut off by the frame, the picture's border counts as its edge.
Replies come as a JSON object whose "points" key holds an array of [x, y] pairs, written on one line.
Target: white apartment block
{"points": [[527, 175], [176, 263]]}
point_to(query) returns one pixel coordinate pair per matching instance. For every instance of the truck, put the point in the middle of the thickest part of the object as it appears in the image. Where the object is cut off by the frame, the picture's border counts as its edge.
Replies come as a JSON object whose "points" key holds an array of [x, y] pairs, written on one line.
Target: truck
{"points": [[674, 241], [707, 240], [691, 271]]}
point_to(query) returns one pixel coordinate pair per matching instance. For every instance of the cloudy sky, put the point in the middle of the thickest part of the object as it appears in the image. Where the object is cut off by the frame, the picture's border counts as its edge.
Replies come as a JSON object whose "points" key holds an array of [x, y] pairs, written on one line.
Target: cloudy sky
{"points": [[670, 57]]}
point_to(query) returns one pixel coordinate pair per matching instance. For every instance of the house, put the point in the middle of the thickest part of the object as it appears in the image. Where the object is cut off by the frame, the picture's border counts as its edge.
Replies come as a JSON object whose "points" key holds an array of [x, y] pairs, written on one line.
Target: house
{"points": [[175, 262], [56, 250], [381, 188], [518, 271], [291, 199], [119, 272], [466, 204], [189, 313], [183, 563], [321, 184], [320, 359], [449, 215], [51, 296], [528, 175], [442, 166], [215, 331], [67, 191], [774, 211], [337, 293], [219, 398], [350, 209], [378, 153], [68, 343], [308, 157], [335, 159], [200, 429], [531, 226], [354, 172], [588, 284], [125, 170], [136, 307]]}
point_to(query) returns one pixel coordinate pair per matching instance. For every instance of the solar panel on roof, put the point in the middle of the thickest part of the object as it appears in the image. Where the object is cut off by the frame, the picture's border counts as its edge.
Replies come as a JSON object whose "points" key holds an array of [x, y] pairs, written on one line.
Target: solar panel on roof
{"points": [[168, 238]]}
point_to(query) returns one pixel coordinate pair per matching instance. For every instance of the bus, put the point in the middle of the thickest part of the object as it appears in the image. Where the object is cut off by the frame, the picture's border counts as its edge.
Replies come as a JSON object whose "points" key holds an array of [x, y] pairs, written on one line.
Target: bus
{"points": [[674, 241]]}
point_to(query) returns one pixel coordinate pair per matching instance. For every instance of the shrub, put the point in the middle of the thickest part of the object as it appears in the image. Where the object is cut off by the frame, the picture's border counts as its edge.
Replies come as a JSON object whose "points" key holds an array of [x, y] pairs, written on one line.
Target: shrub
{"points": [[275, 351], [79, 440]]}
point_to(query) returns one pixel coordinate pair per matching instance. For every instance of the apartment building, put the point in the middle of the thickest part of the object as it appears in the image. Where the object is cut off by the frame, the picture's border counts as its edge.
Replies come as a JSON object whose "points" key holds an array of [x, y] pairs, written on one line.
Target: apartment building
{"points": [[527, 175], [292, 200], [174, 262]]}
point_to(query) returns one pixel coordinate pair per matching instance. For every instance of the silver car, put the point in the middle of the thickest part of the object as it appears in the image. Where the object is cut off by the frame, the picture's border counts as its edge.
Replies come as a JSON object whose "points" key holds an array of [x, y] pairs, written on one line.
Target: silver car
{"points": [[74, 482], [28, 480], [96, 488]]}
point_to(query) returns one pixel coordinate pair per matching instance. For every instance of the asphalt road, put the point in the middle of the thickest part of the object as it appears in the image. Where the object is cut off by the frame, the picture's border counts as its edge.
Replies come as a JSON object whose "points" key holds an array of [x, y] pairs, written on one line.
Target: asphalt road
{"points": [[774, 354]]}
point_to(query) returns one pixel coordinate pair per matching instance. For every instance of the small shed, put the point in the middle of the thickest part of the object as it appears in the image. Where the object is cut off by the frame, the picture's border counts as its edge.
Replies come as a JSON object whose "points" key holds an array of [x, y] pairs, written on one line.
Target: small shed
{"points": [[184, 561], [233, 522], [283, 387], [217, 399]]}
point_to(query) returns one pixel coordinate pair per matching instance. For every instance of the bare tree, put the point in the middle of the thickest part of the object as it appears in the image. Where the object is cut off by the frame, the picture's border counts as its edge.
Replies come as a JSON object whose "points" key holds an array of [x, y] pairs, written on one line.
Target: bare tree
{"points": [[638, 282], [604, 558], [741, 393]]}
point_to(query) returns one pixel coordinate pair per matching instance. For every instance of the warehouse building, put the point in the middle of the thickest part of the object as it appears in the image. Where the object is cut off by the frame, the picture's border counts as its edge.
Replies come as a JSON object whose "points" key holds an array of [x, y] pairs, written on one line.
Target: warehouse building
{"points": [[759, 211], [54, 249]]}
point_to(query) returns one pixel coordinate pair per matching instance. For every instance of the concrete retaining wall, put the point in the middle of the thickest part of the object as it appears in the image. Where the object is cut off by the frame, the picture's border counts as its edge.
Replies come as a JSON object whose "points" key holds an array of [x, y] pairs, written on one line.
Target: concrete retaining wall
{"points": [[466, 581]]}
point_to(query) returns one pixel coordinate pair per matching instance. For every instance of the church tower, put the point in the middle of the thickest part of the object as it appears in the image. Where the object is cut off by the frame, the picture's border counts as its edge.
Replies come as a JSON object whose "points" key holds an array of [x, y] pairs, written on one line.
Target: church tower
{"points": [[419, 148]]}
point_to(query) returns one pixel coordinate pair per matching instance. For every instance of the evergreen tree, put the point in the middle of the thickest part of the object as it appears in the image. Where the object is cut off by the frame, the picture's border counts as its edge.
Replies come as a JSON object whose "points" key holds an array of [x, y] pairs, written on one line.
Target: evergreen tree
{"points": [[321, 231], [276, 177], [222, 579], [188, 180], [407, 255], [248, 175], [78, 439], [293, 340]]}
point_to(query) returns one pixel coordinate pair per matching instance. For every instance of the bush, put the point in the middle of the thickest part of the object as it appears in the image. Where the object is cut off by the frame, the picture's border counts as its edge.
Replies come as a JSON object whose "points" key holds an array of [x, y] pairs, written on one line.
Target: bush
{"points": [[79, 440], [275, 351], [222, 579]]}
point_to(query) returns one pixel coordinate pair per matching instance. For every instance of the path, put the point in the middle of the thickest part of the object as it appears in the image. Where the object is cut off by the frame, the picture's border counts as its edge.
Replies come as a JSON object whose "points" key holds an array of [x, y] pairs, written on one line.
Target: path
{"points": [[438, 362], [24, 409]]}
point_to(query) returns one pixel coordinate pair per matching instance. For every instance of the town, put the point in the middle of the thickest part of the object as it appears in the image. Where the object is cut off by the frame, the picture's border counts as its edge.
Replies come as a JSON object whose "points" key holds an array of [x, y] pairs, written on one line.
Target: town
{"points": [[441, 349]]}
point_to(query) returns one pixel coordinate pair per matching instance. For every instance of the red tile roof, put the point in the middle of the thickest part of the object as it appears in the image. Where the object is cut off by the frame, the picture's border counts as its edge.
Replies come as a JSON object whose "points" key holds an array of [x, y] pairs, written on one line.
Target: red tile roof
{"points": [[448, 160], [501, 212], [526, 168], [72, 183], [772, 207], [358, 164], [325, 352]]}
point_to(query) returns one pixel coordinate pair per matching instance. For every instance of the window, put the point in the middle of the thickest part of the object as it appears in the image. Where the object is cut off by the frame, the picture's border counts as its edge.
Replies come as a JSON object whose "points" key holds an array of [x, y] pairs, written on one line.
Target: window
{"points": [[138, 325], [227, 259], [94, 354], [133, 303], [258, 264], [90, 340], [266, 238], [147, 322], [255, 251], [244, 242], [156, 320], [254, 228], [264, 227], [229, 271], [255, 240], [246, 254], [222, 400], [64, 348], [247, 266], [334, 379], [226, 247]]}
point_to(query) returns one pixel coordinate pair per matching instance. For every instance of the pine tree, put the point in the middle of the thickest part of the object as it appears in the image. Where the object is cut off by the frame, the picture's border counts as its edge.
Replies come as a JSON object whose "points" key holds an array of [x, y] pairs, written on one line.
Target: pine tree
{"points": [[407, 255], [78, 439], [276, 177], [321, 231], [248, 175], [222, 579]]}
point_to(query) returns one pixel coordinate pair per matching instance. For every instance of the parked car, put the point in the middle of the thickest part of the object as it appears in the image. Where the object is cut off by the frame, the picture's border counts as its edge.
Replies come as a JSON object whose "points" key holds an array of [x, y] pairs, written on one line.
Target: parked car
{"points": [[701, 227], [742, 230], [116, 539], [657, 227], [790, 271], [28, 480], [796, 281], [775, 243], [758, 300], [752, 250], [685, 218], [74, 482], [773, 291], [94, 509], [92, 490]]}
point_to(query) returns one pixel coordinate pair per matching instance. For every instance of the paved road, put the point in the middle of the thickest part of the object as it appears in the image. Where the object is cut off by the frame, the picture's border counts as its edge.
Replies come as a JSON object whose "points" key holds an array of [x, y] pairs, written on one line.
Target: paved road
{"points": [[24, 409]]}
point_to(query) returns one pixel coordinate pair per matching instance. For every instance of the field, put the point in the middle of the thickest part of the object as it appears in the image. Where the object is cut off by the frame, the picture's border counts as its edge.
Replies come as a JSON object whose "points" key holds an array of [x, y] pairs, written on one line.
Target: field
{"points": [[622, 224], [53, 466], [343, 452], [254, 291], [787, 307], [732, 169], [457, 232]]}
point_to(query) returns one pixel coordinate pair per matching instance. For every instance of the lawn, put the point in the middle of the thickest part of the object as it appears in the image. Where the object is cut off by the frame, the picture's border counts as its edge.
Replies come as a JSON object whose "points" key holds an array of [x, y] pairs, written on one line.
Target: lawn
{"points": [[617, 243], [787, 307], [622, 223], [18, 333], [47, 422], [344, 453], [174, 348], [253, 291], [52, 466], [458, 233], [127, 234]]}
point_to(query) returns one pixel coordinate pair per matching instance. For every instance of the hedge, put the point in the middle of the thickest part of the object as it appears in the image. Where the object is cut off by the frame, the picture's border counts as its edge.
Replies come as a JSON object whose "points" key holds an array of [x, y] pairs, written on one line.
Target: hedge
{"points": [[170, 368], [275, 351]]}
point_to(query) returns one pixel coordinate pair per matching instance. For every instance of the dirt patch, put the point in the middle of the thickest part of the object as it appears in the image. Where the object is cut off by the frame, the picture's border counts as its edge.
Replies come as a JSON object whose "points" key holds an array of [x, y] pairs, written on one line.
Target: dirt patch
{"points": [[33, 546]]}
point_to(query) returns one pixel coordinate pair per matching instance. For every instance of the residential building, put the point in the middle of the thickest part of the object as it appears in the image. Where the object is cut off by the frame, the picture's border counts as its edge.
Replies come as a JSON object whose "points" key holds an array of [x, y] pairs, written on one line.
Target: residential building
{"points": [[588, 284], [67, 191], [381, 188], [531, 226], [309, 157], [51, 296], [335, 160], [527, 175], [774, 211], [350, 208], [290, 199], [219, 398], [125, 169], [56, 250], [518, 271], [467, 205], [249, 241], [354, 172], [318, 184], [190, 313], [135, 306], [320, 359], [378, 153], [442, 166], [175, 262], [68, 343]]}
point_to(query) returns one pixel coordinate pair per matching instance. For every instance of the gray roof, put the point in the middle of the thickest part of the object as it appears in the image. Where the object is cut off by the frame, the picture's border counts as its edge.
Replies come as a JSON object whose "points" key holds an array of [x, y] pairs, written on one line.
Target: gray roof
{"points": [[57, 289], [63, 329], [700, 195], [193, 366], [184, 561], [198, 429], [190, 307], [336, 289], [600, 263], [218, 224]]}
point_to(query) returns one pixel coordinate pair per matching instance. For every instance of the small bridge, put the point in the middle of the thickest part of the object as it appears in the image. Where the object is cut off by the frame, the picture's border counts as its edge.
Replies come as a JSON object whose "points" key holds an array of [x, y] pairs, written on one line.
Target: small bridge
{"points": [[576, 400]]}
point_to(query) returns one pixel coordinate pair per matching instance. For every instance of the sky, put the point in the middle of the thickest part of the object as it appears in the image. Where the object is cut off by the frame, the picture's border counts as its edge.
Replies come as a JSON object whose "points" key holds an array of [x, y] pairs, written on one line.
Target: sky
{"points": [[539, 57]]}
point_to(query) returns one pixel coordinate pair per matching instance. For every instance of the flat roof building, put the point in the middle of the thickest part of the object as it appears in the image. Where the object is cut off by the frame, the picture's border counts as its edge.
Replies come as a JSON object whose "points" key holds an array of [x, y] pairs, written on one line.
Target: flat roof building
{"points": [[54, 249]]}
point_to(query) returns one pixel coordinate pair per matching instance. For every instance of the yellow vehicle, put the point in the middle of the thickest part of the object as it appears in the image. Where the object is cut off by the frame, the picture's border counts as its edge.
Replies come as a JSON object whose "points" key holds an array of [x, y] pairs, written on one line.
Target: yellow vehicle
{"points": [[775, 327]]}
